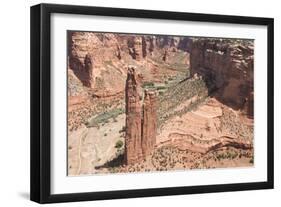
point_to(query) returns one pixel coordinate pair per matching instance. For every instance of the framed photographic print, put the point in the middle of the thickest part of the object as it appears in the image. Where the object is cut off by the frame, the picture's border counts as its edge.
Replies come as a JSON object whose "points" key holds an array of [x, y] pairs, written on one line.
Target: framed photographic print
{"points": [[133, 103]]}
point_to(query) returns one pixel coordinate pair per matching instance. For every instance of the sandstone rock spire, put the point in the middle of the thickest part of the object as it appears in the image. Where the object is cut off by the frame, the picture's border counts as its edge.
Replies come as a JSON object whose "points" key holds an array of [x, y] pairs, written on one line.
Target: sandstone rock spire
{"points": [[149, 122], [141, 120], [133, 151]]}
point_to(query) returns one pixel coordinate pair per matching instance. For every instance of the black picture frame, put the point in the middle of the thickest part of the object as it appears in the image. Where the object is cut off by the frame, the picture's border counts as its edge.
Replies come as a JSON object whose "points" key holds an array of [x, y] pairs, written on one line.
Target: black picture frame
{"points": [[41, 98]]}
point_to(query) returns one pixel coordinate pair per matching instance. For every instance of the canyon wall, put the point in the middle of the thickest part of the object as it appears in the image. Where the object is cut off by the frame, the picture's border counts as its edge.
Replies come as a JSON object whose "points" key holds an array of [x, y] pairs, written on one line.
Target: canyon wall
{"points": [[137, 47], [141, 120], [227, 67], [95, 58]]}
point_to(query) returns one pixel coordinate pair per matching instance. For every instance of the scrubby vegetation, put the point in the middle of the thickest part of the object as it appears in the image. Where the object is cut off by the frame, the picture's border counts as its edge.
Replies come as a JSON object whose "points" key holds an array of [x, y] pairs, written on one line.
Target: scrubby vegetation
{"points": [[123, 129], [229, 121], [179, 93], [104, 117], [119, 144], [148, 84]]}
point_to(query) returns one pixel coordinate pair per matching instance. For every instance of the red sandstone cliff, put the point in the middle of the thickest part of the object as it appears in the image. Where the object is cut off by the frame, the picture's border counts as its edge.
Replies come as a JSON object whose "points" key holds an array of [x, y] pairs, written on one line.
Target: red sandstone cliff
{"points": [[94, 59], [99, 60], [226, 65]]}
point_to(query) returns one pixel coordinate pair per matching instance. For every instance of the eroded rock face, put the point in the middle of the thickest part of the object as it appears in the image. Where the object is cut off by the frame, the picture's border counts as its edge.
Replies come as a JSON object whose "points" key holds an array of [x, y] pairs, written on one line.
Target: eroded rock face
{"points": [[80, 57], [149, 127], [89, 70], [99, 60], [226, 65], [150, 42], [137, 47], [165, 56], [140, 120], [118, 52]]}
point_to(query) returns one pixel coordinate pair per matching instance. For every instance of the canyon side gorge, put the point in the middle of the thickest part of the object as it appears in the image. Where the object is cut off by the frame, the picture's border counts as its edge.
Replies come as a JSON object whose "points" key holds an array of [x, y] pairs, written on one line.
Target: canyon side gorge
{"points": [[146, 103]]}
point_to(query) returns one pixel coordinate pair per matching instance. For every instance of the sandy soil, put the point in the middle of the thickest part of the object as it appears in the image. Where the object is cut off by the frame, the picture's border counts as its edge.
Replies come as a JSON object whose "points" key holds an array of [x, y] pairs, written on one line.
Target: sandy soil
{"points": [[92, 147], [195, 140]]}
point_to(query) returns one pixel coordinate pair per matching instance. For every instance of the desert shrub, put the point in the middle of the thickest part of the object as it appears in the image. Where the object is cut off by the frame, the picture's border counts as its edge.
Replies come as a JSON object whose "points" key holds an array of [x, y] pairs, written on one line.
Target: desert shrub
{"points": [[160, 87], [148, 84], [119, 144], [113, 170], [252, 160], [123, 129], [234, 155]]}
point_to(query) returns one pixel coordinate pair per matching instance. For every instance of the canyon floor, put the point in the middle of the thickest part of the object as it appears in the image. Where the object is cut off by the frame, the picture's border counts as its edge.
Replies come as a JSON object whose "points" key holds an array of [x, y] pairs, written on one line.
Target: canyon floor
{"points": [[202, 138]]}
